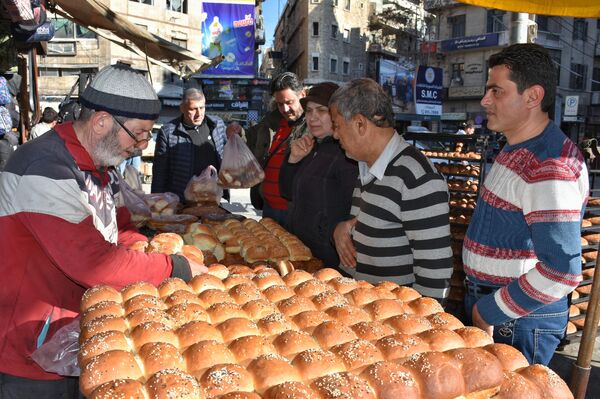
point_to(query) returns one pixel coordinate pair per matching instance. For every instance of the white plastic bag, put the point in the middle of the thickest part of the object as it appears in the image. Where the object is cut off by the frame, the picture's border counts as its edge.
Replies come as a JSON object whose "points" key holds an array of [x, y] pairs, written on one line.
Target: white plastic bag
{"points": [[59, 354], [239, 168], [204, 188]]}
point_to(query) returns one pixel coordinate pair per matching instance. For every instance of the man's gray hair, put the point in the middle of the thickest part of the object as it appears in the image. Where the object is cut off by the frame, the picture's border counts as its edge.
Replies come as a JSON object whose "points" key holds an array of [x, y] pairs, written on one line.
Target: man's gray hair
{"points": [[193, 94], [364, 96]]}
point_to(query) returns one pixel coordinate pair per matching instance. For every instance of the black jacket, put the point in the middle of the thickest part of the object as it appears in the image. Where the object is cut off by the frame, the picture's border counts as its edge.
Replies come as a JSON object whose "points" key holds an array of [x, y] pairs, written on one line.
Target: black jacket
{"points": [[173, 164], [320, 187]]}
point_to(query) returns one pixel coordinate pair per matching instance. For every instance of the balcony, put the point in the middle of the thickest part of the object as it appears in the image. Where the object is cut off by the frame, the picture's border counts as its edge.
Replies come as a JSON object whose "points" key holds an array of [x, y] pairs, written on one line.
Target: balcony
{"points": [[431, 5]]}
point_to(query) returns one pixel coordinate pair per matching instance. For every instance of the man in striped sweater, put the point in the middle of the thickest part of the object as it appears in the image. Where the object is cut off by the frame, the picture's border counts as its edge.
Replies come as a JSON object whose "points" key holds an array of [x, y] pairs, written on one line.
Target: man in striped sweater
{"points": [[522, 249], [399, 228]]}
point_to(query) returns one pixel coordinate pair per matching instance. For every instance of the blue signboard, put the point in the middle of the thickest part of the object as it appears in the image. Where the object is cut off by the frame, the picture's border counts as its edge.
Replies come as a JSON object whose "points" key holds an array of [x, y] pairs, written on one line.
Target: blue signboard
{"points": [[428, 90], [471, 42], [228, 30]]}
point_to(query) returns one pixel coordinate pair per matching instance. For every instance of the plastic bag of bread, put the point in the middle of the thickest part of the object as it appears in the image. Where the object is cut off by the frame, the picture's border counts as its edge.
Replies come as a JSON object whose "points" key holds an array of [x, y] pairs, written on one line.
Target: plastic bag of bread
{"points": [[135, 203], [239, 168], [162, 203], [204, 188]]}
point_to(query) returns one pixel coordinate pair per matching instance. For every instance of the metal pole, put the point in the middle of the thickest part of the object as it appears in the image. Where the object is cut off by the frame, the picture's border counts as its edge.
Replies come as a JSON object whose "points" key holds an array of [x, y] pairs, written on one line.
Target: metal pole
{"points": [[580, 374], [518, 27]]}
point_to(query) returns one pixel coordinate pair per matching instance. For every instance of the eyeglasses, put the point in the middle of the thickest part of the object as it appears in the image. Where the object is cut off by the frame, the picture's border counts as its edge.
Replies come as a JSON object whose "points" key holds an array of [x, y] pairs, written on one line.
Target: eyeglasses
{"points": [[138, 142]]}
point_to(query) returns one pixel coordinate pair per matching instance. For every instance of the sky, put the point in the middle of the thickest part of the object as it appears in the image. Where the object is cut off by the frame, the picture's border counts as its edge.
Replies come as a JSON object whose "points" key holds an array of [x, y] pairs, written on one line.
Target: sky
{"points": [[271, 10]]}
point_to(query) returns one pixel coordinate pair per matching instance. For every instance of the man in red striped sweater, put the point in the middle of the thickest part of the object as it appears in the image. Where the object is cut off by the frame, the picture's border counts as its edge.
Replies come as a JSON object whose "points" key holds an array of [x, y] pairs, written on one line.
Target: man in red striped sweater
{"points": [[270, 138]]}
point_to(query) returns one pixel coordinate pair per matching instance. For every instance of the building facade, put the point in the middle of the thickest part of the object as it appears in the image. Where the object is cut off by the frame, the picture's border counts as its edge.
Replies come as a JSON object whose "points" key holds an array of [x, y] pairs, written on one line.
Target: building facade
{"points": [[75, 51], [462, 50], [323, 40]]}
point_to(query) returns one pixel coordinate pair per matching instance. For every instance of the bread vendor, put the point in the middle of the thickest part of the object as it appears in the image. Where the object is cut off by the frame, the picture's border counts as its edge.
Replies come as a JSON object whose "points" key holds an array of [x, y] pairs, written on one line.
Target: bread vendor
{"points": [[398, 228], [522, 250], [62, 231]]}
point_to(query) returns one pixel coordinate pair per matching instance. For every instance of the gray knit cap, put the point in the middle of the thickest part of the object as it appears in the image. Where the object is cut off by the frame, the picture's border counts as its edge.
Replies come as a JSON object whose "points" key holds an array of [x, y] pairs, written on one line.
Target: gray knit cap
{"points": [[121, 91]]}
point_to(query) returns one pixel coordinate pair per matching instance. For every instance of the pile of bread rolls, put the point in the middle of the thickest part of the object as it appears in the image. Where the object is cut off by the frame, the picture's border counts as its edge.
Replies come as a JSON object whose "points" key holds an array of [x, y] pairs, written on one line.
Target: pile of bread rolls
{"points": [[452, 154], [249, 241], [239, 332], [458, 169], [469, 185]]}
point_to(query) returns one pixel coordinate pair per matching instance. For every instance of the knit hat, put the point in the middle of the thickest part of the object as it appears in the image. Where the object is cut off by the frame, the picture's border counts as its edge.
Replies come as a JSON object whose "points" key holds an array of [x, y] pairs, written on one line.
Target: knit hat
{"points": [[121, 91], [320, 94]]}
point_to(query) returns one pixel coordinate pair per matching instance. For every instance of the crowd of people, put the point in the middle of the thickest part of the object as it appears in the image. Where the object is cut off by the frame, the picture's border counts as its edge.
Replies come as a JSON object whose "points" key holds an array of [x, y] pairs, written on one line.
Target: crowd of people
{"points": [[337, 174]]}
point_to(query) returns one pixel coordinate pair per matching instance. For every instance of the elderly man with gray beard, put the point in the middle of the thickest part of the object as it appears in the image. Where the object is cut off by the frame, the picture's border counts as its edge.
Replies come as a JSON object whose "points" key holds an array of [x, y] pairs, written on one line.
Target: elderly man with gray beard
{"points": [[62, 230]]}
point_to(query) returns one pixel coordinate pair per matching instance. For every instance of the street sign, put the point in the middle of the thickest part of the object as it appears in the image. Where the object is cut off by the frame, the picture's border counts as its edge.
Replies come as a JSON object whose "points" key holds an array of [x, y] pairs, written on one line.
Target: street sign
{"points": [[428, 93], [571, 105]]}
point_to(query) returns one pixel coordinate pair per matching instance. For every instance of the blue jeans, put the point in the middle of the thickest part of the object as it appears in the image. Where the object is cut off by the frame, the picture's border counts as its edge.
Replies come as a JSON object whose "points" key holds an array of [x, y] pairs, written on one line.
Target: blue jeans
{"points": [[279, 215], [536, 335]]}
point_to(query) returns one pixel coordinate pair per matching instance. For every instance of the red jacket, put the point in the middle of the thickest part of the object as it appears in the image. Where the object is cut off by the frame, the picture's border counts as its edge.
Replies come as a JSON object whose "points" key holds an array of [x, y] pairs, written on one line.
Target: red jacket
{"points": [[61, 233]]}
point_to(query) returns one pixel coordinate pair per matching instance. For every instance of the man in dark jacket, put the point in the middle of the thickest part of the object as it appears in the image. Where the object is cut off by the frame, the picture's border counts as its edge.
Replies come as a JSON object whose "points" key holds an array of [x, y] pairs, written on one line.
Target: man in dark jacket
{"points": [[270, 138], [188, 144]]}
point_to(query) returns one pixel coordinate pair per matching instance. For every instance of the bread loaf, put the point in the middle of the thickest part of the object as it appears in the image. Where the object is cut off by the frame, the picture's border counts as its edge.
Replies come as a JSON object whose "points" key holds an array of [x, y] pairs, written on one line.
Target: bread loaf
{"points": [[251, 334]]}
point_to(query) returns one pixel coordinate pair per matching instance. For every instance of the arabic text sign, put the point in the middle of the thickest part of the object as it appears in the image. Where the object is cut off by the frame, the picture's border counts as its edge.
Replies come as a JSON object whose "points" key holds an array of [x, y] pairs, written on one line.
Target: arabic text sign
{"points": [[228, 30], [470, 42], [428, 93]]}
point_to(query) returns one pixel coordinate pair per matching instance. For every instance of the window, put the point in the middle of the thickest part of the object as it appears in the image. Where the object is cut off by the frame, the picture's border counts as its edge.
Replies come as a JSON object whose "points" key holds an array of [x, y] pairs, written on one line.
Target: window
{"points": [[580, 29], [177, 6], [333, 65], [360, 66], [457, 25], [555, 55], [347, 35], [314, 1], [315, 29], [143, 1], [66, 29], [578, 75], [315, 62], [495, 21], [457, 72], [596, 79], [347, 4], [346, 66], [179, 42], [334, 31], [58, 72], [334, 2]]}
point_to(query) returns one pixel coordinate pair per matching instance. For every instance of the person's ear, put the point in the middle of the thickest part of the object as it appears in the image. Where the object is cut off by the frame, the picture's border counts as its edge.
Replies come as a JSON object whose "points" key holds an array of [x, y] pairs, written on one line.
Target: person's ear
{"points": [[534, 96], [360, 123]]}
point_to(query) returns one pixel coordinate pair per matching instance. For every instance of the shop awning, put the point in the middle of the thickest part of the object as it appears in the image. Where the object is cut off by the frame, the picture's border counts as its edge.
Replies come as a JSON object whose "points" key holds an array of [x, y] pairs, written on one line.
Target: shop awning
{"points": [[570, 8], [96, 16]]}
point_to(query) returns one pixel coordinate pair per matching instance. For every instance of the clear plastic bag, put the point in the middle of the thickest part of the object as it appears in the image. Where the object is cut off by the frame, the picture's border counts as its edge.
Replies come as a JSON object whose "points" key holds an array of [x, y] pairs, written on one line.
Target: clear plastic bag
{"points": [[204, 188], [59, 354], [162, 203], [132, 177], [239, 168], [135, 202]]}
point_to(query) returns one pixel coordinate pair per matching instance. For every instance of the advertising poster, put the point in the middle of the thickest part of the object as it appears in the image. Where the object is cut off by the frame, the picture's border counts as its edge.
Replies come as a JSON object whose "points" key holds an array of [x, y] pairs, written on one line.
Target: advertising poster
{"points": [[228, 30], [397, 80], [428, 90]]}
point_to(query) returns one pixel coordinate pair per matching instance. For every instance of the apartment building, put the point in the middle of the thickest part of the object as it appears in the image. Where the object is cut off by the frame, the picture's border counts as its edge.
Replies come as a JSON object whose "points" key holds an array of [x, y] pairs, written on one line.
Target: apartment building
{"points": [[462, 50], [323, 40]]}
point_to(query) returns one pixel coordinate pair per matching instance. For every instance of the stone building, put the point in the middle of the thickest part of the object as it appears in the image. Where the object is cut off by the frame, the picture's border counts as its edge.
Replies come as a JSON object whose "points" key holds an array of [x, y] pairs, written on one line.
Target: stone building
{"points": [[323, 40]]}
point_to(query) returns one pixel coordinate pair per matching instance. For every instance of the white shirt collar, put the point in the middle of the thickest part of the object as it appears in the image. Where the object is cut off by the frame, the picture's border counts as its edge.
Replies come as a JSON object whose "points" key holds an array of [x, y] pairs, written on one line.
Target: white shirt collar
{"points": [[377, 170]]}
